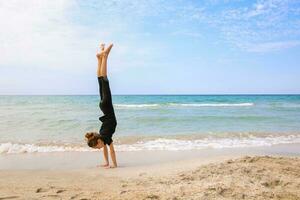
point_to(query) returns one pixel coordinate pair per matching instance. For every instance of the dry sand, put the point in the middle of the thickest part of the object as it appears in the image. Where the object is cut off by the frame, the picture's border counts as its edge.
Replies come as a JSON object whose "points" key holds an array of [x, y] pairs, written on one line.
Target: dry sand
{"points": [[255, 177]]}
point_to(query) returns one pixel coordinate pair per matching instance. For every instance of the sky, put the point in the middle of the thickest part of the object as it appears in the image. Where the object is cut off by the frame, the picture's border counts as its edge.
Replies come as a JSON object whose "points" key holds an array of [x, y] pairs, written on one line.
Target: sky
{"points": [[160, 47]]}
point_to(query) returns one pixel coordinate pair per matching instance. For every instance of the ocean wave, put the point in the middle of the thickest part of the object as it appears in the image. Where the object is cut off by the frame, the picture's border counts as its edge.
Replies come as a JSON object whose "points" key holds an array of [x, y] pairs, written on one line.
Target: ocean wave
{"points": [[135, 105], [175, 145], [157, 144]]}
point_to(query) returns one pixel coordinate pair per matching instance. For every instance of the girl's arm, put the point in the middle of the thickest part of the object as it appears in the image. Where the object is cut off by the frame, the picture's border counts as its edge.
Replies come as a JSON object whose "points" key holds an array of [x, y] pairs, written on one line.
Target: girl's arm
{"points": [[113, 155], [105, 155]]}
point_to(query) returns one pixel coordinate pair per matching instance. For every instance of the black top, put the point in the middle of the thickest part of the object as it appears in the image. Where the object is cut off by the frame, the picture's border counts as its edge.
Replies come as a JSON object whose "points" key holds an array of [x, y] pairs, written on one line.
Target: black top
{"points": [[108, 120]]}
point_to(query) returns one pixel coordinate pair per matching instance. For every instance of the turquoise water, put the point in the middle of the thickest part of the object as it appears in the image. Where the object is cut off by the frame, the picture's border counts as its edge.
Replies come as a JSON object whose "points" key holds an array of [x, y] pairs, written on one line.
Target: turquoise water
{"points": [[63, 120]]}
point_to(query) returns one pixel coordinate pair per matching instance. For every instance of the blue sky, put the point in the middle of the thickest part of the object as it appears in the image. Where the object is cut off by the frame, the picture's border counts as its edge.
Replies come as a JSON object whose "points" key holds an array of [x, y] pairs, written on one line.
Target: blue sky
{"points": [[161, 47]]}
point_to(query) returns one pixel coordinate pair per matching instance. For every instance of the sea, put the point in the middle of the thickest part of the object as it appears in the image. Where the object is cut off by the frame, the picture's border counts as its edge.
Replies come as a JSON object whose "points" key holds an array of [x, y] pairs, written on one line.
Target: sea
{"points": [[38, 124]]}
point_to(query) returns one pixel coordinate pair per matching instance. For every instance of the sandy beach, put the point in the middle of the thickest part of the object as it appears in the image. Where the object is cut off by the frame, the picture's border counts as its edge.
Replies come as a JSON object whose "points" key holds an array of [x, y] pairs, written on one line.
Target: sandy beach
{"points": [[265, 173]]}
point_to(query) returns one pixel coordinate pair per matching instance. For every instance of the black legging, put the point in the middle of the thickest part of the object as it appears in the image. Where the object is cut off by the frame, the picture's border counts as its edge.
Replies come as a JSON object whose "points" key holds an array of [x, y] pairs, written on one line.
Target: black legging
{"points": [[106, 102], [109, 121]]}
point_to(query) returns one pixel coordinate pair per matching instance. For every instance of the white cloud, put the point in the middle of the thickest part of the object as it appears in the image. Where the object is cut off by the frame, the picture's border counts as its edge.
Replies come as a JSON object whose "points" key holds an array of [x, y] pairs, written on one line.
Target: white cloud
{"points": [[260, 8], [64, 34], [32, 31], [187, 33], [267, 25], [271, 46]]}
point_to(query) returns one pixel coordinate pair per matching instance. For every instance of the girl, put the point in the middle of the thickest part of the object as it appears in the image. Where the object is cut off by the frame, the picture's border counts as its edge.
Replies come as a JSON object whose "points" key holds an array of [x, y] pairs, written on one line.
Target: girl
{"points": [[109, 122]]}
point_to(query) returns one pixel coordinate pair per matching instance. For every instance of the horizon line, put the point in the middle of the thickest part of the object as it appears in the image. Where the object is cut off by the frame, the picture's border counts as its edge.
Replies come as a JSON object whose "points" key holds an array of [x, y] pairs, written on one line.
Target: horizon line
{"points": [[179, 94]]}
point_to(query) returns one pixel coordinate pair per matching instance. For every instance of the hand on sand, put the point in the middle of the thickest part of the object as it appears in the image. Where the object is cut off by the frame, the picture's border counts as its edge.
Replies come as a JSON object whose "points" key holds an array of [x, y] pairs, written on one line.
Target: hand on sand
{"points": [[111, 167], [103, 165]]}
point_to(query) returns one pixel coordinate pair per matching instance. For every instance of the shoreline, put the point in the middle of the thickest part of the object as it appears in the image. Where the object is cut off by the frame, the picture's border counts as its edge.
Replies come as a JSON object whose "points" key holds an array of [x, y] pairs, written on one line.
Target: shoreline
{"points": [[166, 143], [132, 159]]}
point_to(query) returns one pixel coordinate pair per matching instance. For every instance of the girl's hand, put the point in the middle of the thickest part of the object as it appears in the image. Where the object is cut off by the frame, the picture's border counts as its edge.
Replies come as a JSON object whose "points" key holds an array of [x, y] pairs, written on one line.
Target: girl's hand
{"points": [[110, 167], [103, 165]]}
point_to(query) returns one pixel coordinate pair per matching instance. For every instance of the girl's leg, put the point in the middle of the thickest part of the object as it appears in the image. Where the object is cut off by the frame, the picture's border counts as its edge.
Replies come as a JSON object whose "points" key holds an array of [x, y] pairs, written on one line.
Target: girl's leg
{"points": [[100, 88], [106, 100], [103, 71], [106, 93], [100, 59]]}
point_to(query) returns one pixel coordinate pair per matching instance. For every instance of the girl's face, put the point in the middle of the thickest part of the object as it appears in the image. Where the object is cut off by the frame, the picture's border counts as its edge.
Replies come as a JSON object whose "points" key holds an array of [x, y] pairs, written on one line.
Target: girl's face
{"points": [[99, 145]]}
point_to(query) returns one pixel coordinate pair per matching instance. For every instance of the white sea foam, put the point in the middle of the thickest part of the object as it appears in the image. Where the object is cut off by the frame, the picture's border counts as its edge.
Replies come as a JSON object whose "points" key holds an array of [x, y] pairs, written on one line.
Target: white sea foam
{"points": [[14, 148], [158, 144], [174, 145]]}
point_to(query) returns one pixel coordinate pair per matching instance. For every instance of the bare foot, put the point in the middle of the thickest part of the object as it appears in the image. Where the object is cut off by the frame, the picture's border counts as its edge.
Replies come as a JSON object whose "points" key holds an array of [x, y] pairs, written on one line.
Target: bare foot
{"points": [[102, 52], [102, 46], [107, 50], [98, 56]]}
